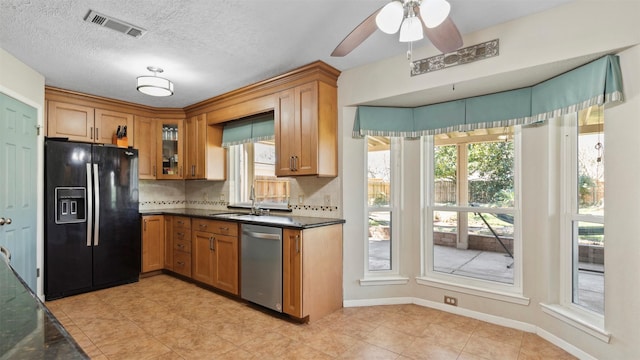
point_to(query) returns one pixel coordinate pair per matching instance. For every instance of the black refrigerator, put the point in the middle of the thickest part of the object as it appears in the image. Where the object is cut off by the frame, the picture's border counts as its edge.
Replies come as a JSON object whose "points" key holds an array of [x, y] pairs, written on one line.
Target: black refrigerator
{"points": [[92, 224]]}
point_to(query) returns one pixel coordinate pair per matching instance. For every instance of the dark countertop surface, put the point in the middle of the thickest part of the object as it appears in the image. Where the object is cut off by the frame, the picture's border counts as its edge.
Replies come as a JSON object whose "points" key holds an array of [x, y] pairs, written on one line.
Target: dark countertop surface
{"points": [[27, 329], [285, 221]]}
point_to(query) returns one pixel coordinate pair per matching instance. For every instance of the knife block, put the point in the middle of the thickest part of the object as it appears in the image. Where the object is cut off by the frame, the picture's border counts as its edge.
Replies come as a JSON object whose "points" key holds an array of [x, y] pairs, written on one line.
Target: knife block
{"points": [[120, 142]]}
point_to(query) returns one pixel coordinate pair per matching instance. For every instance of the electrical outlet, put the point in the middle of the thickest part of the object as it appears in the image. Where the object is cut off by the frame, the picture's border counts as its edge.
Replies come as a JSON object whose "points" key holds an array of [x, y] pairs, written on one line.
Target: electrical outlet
{"points": [[327, 200], [300, 199], [221, 196], [450, 300], [205, 196]]}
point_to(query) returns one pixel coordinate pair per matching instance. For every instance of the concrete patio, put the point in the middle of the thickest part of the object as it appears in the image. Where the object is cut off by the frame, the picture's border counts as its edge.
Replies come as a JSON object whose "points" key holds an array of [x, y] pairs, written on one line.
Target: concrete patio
{"points": [[493, 266]]}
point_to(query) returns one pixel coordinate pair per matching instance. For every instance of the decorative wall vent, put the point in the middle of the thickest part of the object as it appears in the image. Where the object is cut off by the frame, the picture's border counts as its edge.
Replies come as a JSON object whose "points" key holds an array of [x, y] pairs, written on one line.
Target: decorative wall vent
{"points": [[462, 56], [95, 17]]}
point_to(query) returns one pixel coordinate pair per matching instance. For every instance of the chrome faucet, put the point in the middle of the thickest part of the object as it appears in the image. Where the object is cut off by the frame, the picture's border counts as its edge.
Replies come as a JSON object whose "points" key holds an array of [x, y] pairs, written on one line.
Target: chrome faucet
{"points": [[252, 197], [255, 209]]}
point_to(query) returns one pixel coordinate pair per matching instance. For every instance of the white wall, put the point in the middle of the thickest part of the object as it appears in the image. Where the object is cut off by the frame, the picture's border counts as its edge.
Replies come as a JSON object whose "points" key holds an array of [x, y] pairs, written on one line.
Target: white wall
{"points": [[26, 85], [578, 29]]}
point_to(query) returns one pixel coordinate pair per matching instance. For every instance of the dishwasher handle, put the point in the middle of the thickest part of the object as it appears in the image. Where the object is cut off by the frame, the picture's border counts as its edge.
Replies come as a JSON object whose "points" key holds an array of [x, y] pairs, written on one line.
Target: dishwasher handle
{"points": [[264, 236]]}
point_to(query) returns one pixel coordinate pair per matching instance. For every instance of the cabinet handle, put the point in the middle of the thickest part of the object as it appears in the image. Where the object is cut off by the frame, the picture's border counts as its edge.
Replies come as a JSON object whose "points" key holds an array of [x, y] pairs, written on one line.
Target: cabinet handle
{"points": [[291, 163], [180, 222], [180, 171], [181, 263], [181, 246], [91, 133], [224, 228], [180, 234], [154, 171], [295, 163], [203, 226], [297, 244], [193, 170], [145, 224], [211, 243], [96, 134]]}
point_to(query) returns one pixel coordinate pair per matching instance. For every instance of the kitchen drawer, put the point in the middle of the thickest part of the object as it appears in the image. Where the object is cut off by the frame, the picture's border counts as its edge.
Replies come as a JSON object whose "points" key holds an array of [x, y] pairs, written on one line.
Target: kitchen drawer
{"points": [[181, 235], [181, 222], [216, 227], [182, 263], [182, 245]]}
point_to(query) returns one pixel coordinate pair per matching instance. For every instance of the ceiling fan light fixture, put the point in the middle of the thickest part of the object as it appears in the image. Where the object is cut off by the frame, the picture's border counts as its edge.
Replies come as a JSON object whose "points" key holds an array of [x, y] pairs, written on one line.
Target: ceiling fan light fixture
{"points": [[154, 85], [411, 29], [390, 17], [434, 12]]}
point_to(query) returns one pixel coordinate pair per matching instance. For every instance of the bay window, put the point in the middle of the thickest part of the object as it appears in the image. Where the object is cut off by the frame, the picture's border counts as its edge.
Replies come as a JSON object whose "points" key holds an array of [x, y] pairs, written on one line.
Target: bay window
{"points": [[471, 214]]}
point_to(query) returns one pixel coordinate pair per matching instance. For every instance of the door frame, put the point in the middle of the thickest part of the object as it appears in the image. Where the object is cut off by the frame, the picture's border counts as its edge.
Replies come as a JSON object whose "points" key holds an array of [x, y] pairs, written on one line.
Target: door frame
{"points": [[39, 182]]}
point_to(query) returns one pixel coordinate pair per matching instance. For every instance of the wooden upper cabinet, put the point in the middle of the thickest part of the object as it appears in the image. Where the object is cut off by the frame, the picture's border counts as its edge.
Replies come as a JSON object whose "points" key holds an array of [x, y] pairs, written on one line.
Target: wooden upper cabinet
{"points": [[206, 159], [107, 123], [145, 142], [84, 123], [195, 143], [306, 130], [75, 122], [170, 156]]}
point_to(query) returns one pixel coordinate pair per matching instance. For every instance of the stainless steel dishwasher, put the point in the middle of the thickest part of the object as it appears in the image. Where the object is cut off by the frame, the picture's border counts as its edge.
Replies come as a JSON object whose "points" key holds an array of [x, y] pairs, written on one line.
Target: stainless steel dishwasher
{"points": [[261, 265]]}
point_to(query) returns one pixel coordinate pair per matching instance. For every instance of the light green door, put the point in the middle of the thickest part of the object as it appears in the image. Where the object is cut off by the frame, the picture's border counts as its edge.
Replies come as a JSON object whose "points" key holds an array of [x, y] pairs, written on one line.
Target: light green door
{"points": [[18, 192]]}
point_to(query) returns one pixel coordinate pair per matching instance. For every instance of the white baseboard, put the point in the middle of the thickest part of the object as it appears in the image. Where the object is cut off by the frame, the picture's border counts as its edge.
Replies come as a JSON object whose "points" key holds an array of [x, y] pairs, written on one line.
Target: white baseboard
{"points": [[381, 301], [514, 324], [571, 349]]}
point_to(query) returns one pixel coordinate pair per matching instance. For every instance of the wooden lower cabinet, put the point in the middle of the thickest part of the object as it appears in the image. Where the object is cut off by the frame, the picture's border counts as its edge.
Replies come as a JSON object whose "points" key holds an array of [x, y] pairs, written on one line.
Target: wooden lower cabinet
{"points": [[168, 242], [215, 254], [152, 243], [181, 240], [312, 271]]}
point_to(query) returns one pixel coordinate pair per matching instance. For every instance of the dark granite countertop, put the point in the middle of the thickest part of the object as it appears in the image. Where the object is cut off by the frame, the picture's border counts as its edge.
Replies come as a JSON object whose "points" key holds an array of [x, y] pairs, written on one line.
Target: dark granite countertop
{"points": [[285, 221], [27, 329]]}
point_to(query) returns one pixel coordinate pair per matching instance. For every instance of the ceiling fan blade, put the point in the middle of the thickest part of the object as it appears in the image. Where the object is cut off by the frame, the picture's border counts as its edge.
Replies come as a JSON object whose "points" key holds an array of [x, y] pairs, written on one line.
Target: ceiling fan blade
{"points": [[445, 37], [357, 36]]}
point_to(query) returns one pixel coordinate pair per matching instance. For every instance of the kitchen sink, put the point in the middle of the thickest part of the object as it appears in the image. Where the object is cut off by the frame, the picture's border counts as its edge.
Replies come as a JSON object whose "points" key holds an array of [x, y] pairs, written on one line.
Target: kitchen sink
{"points": [[225, 215], [266, 219]]}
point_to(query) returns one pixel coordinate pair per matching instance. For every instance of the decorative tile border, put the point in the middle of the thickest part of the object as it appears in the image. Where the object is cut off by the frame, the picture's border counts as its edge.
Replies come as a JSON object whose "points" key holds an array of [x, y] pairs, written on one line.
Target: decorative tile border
{"points": [[462, 56], [156, 204], [313, 207]]}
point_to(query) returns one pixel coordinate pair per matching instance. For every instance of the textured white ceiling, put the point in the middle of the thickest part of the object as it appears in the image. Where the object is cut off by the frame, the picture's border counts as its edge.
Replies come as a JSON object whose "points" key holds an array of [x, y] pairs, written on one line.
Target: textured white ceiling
{"points": [[206, 47]]}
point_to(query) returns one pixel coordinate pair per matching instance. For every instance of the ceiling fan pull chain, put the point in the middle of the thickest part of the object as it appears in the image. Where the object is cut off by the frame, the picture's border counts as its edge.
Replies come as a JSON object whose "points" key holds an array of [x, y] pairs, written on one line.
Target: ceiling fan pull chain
{"points": [[410, 55]]}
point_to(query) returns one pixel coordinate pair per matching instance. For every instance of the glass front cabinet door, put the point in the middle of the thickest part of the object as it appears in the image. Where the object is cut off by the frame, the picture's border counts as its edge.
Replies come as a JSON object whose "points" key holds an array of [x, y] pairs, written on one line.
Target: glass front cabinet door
{"points": [[171, 151]]}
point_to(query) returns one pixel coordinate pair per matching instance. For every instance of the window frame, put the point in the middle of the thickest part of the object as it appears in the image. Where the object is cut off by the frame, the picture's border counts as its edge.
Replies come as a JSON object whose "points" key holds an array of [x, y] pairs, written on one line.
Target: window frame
{"points": [[570, 213], [391, 276], [486, 288], [238, 156]]}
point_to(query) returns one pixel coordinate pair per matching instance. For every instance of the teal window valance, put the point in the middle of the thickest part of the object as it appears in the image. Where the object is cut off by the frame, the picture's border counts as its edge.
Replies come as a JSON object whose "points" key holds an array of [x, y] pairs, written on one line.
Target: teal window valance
{"points": [[248, 130], [596, 83]]}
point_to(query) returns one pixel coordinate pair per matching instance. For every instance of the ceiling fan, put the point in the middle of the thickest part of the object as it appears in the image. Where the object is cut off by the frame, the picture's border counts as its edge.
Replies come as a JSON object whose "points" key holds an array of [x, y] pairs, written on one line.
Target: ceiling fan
{"points": [[414, 19]]}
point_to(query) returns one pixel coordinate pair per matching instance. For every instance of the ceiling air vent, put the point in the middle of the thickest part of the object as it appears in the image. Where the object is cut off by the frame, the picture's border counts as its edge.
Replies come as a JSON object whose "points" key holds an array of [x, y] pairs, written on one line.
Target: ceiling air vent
{"points": [[114, 24]]}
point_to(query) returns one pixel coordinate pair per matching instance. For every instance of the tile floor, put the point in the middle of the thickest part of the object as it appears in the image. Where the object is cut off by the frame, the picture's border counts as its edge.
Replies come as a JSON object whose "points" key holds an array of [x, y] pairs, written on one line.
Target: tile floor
{"points": [[162, 317]]}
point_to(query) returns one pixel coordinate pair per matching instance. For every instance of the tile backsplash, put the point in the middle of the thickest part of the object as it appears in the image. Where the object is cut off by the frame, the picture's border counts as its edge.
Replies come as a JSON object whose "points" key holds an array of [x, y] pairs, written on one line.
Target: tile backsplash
{"points": [[309, 196]]}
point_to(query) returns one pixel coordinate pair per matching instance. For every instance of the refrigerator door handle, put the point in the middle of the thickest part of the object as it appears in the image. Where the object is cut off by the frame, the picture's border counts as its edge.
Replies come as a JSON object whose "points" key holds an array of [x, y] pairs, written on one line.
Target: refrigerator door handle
{"points": [[96, 226], [89, 204]]}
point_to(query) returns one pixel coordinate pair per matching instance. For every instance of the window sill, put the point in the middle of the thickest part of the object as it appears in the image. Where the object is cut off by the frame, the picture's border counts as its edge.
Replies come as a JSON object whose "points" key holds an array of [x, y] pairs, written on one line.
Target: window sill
{"points": [[476, 291], [384, 280], [591, 325]]}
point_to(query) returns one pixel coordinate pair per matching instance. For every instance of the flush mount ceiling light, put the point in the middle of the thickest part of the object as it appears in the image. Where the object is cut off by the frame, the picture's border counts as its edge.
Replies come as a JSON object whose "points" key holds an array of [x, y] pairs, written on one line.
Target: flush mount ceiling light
{"points": [[155, 85]]}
